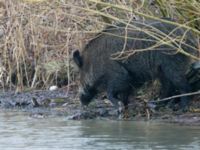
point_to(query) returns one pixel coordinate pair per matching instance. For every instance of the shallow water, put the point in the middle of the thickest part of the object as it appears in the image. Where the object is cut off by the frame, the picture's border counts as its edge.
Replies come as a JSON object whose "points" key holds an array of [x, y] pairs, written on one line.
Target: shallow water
{"points": [[20, 131]]}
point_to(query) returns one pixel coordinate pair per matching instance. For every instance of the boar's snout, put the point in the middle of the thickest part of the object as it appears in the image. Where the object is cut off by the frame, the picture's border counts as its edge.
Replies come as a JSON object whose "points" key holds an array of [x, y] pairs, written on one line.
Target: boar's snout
{"points": [[86, 95]]}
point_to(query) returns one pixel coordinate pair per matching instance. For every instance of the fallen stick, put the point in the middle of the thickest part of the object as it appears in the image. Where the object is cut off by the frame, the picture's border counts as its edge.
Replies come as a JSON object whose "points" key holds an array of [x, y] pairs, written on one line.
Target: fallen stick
{"points": [[175, 96]]}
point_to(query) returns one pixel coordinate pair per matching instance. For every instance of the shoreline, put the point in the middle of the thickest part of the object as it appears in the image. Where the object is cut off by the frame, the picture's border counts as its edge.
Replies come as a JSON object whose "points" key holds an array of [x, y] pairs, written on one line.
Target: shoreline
{"points": [[57, 103]]}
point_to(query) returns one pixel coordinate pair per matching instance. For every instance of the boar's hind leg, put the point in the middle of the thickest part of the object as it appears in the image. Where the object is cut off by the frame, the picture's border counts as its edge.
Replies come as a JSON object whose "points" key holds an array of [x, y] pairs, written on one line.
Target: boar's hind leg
{"points": [[179, 82], [167, 90]]}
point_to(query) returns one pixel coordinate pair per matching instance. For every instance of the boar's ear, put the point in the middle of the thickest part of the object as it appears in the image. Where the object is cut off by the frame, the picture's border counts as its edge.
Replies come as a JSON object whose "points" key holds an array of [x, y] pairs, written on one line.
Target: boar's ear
{"points": [[77, 58]]}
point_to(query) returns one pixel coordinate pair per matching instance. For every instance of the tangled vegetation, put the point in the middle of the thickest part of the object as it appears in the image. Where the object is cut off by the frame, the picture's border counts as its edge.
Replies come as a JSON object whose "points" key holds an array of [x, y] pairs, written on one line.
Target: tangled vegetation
{"points": [[38, 36]]}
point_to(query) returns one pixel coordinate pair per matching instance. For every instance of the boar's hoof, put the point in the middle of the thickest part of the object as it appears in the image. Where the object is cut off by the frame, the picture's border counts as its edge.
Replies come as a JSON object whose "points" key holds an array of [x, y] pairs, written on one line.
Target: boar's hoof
{"points": [[122, 111]]}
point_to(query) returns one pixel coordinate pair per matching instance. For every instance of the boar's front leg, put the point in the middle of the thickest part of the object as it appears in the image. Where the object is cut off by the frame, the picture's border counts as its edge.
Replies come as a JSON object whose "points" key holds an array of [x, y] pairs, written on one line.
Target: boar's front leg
{"points": [[118, 90], [124, 97], [116, 98], [112, 96], [117, 93]]}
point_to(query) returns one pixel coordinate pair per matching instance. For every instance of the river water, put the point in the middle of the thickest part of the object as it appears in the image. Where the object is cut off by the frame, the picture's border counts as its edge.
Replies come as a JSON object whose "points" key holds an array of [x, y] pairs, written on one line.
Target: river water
{"points": [[19, 131]]}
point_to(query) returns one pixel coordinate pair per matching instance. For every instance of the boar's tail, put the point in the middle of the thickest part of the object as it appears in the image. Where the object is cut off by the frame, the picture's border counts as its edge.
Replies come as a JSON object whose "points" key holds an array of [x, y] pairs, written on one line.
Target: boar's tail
{"points": [[193, 76]]}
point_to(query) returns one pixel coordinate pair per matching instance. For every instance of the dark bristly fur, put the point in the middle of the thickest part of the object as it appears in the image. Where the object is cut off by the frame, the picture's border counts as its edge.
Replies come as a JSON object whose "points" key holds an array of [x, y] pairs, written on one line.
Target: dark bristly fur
{"points": [[193, 76], [99, 72]]}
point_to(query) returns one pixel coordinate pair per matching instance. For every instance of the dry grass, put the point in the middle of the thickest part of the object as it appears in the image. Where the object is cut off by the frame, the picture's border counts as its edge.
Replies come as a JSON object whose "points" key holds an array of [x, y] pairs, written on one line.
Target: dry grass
{"points": [[38, 36], [37, 42]]}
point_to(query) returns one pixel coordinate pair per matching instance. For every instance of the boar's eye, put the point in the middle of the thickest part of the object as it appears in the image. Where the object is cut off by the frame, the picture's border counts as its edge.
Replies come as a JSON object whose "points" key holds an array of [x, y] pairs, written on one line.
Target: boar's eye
{"points": [[77, 58]]}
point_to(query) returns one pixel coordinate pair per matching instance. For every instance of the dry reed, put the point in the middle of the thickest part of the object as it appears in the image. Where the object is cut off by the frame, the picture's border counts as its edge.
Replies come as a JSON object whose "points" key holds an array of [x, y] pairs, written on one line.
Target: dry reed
{"points": [[38, 36]]}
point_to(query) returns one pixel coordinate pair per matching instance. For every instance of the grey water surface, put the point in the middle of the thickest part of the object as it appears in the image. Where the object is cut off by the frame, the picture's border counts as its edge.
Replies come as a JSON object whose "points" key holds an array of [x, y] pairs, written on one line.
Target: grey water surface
{"points": [[19, 131]]}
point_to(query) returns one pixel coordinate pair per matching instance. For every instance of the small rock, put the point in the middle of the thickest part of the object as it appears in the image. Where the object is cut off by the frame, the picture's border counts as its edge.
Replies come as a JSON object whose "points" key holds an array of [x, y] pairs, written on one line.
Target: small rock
{"points": [[53, 88], [38, 116], [52, 104], [108, 102], [65, 104], [113, 112], [102, 112]]}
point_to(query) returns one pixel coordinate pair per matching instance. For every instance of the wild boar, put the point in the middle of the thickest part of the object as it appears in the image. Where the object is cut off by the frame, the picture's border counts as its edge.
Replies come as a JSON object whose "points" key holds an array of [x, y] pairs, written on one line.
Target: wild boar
{"points": [[149, 56]]}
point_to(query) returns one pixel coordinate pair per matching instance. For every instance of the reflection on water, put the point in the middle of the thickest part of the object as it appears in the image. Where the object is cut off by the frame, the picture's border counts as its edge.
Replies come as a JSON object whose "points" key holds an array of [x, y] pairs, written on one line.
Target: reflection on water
{"points": [[19, 131]]}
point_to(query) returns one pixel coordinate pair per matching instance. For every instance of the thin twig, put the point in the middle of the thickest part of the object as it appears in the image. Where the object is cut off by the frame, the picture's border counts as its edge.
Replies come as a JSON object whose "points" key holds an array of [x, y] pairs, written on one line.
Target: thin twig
{"points": [[175, 96]]}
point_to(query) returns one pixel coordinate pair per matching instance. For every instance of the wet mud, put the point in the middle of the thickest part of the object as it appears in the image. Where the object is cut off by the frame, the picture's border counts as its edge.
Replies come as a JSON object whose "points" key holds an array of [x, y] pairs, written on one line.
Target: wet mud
{"points": [[42, 104]]}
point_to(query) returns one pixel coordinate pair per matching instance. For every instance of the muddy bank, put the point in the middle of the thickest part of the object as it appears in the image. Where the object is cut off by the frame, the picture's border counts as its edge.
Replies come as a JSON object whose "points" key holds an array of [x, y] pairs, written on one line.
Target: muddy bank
{"points": [[41, 104], [55, 103]]}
